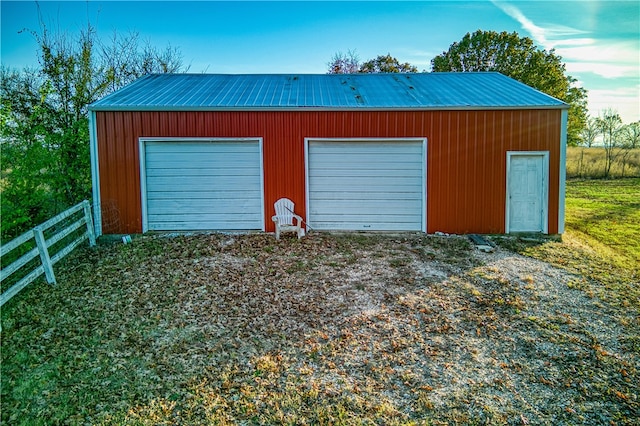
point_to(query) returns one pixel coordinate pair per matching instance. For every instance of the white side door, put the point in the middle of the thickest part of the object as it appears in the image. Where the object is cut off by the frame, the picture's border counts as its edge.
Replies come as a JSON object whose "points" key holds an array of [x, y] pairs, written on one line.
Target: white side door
{"points": [[527, 189]]}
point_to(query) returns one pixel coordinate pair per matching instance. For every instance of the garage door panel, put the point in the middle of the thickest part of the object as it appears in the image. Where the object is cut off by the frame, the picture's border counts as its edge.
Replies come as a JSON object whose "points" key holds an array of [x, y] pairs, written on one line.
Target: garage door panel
{"points": [[204, 218], [158, 150], [202, 205], [368, 218], [359, 216], [195, 195], [201, 161], [199, 223], [366, 147], [355, 175], [203, 183], [200, 158], [197, 185], [327, 207], [353, 194], [391, 224], [366, 185], [361, 169], [202, 172], [216, 147], [365, 158]]}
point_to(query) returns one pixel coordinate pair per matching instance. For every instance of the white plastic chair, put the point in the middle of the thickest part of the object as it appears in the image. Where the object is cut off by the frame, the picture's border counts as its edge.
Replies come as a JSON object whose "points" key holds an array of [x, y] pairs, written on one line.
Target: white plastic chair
{"points": [[285, 218]]}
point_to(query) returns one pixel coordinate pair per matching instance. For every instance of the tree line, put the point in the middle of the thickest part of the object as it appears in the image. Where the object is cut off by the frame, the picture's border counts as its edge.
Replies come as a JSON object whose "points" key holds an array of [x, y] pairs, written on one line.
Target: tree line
{"points": [[45, 161], [618, 139], [44, 127]]}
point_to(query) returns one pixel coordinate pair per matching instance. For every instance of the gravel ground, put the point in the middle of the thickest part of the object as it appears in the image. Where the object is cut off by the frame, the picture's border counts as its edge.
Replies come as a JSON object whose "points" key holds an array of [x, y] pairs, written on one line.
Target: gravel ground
{"points": [[348, 329], [428, 326]]}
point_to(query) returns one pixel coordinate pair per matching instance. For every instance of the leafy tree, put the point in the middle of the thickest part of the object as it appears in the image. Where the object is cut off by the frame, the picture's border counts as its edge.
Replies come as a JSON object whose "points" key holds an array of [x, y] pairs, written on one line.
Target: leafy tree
{"points": [[610, 125], [125, 59], [344, 63], [44, 119], [630, 139], [349, 63], [588, 137], [386, 63], [518, 58], [590, 132], [631, 135], [27, 163]]}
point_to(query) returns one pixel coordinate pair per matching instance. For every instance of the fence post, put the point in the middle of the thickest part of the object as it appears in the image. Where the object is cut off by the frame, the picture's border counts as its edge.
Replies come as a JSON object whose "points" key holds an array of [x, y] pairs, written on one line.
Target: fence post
{"points": [[44, 255], [89, 219]]}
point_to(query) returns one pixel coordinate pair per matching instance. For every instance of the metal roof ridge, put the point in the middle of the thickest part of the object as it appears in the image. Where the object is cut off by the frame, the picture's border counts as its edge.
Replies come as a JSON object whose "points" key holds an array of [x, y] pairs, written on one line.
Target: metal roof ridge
{"points": [[268, 91], [467, 107]]}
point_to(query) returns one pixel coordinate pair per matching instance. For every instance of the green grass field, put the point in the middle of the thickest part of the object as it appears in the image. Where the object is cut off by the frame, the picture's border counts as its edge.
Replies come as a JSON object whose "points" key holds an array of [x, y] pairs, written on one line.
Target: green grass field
{"points": [[607, 213], [602, 239]]}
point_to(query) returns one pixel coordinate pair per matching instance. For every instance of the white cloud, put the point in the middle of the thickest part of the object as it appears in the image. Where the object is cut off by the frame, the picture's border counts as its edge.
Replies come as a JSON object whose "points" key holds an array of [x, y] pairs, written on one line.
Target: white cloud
{"points": [[609, 59], [419, 58], [606, 70], [553, 31], [548, 35], [538, 33], [584, 41], [419, 52], [609, 64], [623, 100]]}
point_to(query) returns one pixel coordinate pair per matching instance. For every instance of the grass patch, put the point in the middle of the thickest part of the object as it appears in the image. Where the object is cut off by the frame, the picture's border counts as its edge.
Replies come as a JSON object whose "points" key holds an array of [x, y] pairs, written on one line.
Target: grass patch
{"points": [[601, 241], [607, 213]]}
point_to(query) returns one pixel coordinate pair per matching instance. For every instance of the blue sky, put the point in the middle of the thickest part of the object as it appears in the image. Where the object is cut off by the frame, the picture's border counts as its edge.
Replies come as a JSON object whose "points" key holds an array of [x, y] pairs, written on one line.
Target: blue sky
{"points": [[599, 41]]}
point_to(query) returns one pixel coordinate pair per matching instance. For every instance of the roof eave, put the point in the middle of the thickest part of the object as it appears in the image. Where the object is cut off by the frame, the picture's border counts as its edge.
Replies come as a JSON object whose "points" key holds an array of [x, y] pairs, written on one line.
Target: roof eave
{"points": [[151, 108]]}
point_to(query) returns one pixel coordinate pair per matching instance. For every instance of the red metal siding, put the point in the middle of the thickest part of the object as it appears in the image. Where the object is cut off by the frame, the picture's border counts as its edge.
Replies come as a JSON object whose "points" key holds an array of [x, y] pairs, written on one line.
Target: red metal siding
{"points": [[466, 156]]}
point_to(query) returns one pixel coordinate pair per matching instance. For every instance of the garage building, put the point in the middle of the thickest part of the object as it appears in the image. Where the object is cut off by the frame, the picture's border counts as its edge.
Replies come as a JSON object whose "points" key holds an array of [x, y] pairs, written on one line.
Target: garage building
{"points": [[449, 152]]}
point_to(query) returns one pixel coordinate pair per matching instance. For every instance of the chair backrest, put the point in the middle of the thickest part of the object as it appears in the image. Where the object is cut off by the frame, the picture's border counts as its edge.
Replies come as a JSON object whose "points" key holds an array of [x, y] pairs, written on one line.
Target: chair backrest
{"points": [[284, 211]]}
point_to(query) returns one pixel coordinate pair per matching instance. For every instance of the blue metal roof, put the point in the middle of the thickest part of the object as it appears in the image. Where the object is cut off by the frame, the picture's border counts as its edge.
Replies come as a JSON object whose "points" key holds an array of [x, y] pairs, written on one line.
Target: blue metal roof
{"points": [[210, 92]]}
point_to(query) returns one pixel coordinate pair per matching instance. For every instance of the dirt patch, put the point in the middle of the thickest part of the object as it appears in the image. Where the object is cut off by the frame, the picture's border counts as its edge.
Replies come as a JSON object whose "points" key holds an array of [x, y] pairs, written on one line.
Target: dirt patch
{"points": [[350, 329]]}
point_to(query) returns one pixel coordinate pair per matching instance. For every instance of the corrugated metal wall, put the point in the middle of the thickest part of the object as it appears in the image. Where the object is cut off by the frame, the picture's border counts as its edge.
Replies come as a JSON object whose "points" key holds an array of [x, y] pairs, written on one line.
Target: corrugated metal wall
{"points": [[466, 156]]}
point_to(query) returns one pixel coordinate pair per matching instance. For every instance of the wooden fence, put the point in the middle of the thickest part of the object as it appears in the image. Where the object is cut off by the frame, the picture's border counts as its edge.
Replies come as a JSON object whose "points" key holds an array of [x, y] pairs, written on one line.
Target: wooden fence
{"points": [[77, 217]]}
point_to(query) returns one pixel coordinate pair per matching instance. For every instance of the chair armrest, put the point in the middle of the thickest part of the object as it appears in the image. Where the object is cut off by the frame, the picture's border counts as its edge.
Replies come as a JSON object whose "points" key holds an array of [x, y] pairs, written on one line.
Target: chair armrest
{"points": [[275, 219], [298, 218]]}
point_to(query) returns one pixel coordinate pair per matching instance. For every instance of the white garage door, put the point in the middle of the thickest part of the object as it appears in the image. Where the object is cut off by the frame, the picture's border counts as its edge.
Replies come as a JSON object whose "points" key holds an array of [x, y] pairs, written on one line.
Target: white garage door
{"points": [[202, 185], [376, 185]]}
